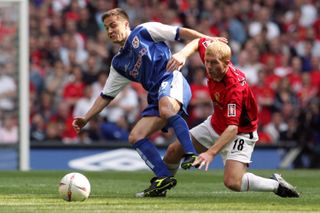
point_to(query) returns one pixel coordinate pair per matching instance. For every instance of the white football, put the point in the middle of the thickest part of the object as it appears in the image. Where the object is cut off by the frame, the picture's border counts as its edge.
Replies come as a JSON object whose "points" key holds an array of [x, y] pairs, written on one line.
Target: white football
{"points": [[74, 187]]}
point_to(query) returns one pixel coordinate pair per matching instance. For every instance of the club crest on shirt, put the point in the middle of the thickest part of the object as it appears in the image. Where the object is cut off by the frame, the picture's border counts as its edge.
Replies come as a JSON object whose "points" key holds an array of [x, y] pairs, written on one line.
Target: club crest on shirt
{"points": [[232, 111], [206, 43], [217, 96], [135, 42]]}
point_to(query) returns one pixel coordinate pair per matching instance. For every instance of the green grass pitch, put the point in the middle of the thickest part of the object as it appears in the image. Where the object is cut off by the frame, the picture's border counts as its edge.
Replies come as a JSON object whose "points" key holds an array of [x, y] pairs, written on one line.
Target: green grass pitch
{"points": [[196, 191]]}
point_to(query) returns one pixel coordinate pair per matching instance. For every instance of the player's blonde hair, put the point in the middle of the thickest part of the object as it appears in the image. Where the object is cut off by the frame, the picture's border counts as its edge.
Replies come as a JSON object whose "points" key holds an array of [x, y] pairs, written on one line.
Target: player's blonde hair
{"points": [[220, 50]]}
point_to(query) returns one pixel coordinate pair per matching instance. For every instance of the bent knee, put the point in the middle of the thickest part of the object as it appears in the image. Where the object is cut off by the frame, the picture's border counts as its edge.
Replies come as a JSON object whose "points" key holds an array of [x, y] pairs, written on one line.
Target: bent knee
{"points": [[134, 137], [168, 107], [165, 112], [232, 184]]}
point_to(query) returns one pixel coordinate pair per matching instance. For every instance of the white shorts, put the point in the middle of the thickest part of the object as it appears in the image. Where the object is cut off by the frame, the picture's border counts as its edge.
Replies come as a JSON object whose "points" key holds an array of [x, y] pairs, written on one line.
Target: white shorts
{"points": [[239, 149]]}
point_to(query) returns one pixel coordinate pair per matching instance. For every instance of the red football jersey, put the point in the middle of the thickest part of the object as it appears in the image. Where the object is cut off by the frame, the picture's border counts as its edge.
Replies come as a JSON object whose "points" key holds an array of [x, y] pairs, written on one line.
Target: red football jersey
{"points": [[233, 100]]}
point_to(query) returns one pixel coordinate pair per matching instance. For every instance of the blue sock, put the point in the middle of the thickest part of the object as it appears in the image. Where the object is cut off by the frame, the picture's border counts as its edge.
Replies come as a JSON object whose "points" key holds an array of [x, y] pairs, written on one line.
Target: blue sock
{"points": [[151, 156], [182, 132]]}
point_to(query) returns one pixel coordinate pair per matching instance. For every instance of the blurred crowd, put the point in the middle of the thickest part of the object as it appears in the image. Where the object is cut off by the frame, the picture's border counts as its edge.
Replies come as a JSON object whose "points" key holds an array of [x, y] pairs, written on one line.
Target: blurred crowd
{"points": [[275, 42], [8, 73]]}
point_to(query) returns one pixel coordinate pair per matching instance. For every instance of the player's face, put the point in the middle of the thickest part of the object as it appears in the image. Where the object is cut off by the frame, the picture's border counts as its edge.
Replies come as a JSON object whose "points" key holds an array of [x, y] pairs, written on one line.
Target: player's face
{"points": [[117, 29], [216, 68]]}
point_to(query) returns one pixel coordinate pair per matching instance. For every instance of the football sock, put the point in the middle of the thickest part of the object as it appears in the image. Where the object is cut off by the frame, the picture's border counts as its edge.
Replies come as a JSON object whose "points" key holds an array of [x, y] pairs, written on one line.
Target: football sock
{"points": [[182, 132], [251, 182], [151, 156]]}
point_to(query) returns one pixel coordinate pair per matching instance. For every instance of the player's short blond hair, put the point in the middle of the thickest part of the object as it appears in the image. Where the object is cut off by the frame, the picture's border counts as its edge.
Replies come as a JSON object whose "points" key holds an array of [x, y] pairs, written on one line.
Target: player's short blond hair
{"points": [[220, 50]]}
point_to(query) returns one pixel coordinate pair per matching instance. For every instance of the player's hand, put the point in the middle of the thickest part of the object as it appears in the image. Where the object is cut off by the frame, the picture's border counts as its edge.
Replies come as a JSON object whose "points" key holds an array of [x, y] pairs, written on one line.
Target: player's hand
{"points": [[78, 123], [204, 159], [222, 39], [176, 62]]}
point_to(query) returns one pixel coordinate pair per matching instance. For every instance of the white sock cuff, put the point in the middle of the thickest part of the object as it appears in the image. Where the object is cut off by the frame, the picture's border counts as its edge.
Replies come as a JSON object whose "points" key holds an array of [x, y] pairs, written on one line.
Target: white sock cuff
{"points": [[245, 182]]}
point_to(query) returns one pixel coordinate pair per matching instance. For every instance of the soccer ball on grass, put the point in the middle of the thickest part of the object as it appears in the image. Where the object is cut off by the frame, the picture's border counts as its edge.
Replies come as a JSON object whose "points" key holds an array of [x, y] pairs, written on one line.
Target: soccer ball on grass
{"points": [[74, 187]]}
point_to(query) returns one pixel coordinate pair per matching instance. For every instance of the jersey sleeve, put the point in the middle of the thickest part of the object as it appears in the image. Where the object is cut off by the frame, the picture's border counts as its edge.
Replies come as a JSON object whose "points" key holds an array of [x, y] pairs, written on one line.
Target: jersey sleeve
{"points": [[114, 84], [162, 32], [202, 46], [234, 98]]}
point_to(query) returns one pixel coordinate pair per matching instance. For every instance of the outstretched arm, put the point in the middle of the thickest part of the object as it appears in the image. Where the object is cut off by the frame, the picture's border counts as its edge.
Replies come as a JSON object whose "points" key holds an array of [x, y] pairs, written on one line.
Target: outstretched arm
{"points": [[189, 34], [207, 157], [163, 32], [179, 59], [114, 84], [99, 104]]}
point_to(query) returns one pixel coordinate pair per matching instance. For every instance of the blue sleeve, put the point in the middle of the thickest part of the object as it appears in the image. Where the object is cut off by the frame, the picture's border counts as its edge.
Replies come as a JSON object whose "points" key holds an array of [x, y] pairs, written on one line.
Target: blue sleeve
{"points": [[162, 32]]}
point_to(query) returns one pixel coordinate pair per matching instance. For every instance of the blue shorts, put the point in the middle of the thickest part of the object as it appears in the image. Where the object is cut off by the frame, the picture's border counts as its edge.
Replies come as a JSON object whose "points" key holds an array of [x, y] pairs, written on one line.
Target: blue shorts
{"points": [[173, 85]]}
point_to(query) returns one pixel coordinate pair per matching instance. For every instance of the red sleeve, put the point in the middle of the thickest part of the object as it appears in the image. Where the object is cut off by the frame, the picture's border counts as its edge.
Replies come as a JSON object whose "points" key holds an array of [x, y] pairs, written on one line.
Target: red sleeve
{"points": [[202, 46]]}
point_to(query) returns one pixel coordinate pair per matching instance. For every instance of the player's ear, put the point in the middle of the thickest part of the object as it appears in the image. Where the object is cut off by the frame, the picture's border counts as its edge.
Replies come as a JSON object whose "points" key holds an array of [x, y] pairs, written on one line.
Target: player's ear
{"points": [[126, 23]]}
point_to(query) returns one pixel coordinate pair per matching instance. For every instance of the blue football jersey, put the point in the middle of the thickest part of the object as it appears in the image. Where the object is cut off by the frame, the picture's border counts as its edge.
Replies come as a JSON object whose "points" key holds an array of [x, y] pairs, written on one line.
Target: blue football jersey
{"points": [[144, 56]]}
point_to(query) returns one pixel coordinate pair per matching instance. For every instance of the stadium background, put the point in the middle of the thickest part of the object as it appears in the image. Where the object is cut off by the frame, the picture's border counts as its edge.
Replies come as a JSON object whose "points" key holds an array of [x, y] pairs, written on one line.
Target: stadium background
{"points": [[275, 42]]}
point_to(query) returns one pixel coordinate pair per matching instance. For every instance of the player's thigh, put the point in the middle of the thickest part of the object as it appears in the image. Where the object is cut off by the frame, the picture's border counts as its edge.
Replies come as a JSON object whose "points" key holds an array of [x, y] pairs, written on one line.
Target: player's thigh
{"points": [[203, 135], [176, 87], [145, 127], [198, 146], [168, 107], [240, 148]]}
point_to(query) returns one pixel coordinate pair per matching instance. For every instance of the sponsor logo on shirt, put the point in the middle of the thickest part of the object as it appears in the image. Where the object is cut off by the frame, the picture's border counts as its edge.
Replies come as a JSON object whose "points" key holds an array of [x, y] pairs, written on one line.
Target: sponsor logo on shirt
{"points": [[232, 111], [135, 71]]}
